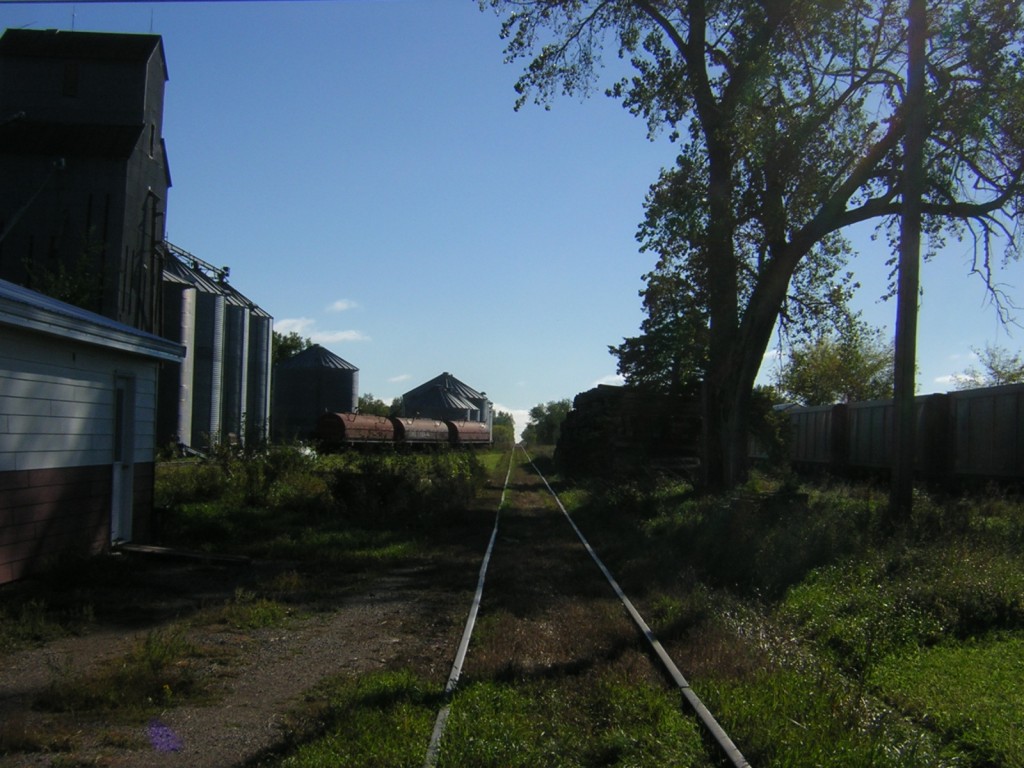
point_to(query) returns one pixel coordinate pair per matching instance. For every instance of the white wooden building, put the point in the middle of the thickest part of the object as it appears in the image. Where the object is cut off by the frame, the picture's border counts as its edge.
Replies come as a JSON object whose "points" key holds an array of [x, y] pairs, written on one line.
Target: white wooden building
{"points": [[78, 396]]}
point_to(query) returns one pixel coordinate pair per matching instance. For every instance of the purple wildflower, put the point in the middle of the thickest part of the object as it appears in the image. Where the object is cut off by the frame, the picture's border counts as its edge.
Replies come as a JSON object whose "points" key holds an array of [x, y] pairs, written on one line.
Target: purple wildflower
{"points": [[163, 738]]}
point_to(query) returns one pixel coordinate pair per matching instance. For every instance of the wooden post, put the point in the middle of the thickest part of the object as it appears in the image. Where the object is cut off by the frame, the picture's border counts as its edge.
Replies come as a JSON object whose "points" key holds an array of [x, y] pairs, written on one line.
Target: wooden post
{"points": [[902, 488]]}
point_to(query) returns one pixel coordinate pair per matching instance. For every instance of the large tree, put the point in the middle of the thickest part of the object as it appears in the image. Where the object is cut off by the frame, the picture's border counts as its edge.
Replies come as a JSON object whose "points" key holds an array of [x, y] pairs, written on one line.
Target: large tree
{"points": [[670, 354], [998, 366], [847, 364], [545, 423], [790, 122], [285, 345]]}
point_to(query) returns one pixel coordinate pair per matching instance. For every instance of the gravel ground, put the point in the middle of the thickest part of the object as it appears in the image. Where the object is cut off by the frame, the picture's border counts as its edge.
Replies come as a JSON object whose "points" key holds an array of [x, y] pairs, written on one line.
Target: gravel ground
{"points": [[410, 618]]}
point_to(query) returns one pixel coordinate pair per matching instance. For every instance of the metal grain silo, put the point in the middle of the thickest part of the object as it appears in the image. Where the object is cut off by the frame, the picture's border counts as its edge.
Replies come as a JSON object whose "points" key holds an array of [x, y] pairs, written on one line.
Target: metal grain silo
{"points": [[261, 326], [445, 397], [236, 370], [308, 384], [209, 368], [175, 390], [227, 369]]}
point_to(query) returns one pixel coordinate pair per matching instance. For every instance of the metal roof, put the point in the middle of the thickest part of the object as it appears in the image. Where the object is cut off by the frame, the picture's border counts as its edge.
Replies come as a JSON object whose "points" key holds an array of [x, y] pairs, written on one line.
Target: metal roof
{"points": [[30, 310], [447, 383], [177, 269], [179, 272], [316, 358], [445, 399]]}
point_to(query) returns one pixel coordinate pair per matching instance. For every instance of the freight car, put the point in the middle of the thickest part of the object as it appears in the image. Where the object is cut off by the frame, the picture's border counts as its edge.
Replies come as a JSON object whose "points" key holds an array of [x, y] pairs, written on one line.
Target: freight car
{"points": [[969, 435], [337, 429]]}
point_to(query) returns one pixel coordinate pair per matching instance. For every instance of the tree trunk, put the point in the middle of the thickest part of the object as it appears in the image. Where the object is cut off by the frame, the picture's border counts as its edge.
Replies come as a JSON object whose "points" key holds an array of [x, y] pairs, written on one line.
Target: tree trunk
{"points": [[901, 493]]}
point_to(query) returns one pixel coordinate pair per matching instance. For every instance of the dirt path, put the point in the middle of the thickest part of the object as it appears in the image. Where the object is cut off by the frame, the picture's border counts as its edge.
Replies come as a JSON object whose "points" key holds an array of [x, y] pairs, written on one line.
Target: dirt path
{"points": [[407, 617]]}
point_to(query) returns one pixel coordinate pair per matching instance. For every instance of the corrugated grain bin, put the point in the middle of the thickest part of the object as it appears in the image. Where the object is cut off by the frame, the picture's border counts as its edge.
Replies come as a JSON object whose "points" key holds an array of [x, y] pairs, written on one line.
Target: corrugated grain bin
{"points": [[236, 370], [261, 327], [313, 382], [209, 369], [445, 397], [174, 411]]}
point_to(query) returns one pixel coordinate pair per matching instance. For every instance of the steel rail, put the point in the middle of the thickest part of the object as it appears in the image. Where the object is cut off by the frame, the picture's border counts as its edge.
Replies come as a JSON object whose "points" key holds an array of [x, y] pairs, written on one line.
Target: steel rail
{"points": [[434, 748], [703, 713]]}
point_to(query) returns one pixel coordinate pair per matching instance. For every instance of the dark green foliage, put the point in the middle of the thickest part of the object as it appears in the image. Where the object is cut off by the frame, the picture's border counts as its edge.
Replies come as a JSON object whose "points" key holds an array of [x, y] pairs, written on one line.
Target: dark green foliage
{"points": [[503, 433], [285, 345], [409, 490], [545, 422], [234, 501], [753, 543], [850, 363], [998, 366], [374, 406]]}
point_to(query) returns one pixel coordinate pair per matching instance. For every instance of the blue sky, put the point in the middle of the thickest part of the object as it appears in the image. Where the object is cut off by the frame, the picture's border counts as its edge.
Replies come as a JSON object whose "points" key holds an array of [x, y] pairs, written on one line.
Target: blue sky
{"points": [[360, 168]]}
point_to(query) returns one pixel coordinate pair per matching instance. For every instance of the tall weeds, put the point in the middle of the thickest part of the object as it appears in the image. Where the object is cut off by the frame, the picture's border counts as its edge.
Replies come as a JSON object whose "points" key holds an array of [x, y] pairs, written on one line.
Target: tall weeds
{"points": [[231, 501]]}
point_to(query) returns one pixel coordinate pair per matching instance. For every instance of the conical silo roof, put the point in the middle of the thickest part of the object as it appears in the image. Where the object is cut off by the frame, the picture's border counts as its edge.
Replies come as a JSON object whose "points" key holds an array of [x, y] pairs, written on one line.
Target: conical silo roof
{"points": [[316, 358]]}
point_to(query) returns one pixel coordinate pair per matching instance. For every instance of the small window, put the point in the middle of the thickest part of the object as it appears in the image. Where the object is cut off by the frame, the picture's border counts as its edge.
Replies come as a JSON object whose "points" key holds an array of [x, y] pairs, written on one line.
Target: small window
{"points": [[70, 78]]}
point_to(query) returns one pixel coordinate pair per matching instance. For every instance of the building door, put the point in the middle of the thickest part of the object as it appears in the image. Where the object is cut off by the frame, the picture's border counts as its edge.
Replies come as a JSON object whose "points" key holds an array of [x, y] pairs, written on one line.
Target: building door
{"points": [[123, 465]]}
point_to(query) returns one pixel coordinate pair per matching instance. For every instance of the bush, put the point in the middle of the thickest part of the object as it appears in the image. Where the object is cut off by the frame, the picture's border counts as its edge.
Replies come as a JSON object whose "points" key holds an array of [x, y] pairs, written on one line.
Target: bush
{"points": [[232, 500], [406, 489]]}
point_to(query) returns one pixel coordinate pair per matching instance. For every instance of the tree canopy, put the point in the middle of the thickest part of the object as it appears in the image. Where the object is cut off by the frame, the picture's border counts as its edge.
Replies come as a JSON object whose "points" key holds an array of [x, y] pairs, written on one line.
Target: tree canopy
{"points": [[789, 117], [503, 433], [851, 363], [285, 345], [998, 366], [373, 406], [545, 422], [670, 354]]}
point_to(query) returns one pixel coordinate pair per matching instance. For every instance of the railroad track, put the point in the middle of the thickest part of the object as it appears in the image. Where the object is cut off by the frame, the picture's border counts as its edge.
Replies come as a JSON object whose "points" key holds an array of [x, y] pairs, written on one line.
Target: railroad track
{"points": [[518, 544]]}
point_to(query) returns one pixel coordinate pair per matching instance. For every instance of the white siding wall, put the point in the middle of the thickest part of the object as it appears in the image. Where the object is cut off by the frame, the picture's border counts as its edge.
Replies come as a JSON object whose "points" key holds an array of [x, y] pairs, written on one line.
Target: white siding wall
{"points": [[56, 402]]}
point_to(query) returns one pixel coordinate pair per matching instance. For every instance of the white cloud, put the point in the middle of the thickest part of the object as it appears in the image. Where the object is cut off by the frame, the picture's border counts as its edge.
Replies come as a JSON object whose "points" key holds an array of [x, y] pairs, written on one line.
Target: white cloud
{"points": [[342, 305], [305, 326], [614, 379], [299, 325], [399, 378], [334, 337]]}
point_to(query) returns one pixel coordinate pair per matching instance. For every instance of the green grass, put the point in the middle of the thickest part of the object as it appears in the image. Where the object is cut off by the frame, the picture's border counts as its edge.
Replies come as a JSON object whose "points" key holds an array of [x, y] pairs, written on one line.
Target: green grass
{"points": [[836, 638], [156, 672], [354, 548], [383, 720], [552, 723], [33, 622], [817, 634], [972, 693], [247, 610], [810, 716]]}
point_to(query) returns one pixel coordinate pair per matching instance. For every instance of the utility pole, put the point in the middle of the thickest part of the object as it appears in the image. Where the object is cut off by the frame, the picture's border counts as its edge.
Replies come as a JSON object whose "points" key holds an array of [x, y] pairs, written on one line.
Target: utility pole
{"points": [[901, 493]]}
